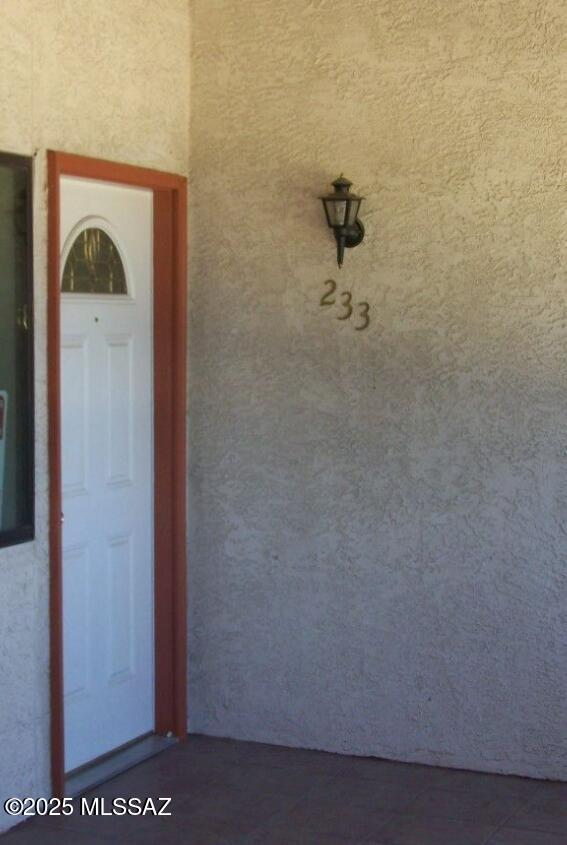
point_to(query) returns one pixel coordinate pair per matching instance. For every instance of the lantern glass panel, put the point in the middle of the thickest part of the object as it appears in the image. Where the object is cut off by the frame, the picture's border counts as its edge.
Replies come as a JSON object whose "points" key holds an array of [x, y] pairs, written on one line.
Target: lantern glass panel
{"points": [[336, 211], [354, 205]]}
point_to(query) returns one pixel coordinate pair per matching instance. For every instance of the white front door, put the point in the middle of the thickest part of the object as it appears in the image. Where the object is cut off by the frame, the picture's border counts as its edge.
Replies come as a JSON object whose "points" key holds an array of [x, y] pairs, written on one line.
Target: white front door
{"points": [[107, 465]]}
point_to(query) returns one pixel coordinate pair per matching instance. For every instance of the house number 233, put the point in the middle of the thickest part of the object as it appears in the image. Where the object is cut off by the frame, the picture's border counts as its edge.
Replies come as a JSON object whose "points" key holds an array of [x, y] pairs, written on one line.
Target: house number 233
{"points": [[359, 310]]}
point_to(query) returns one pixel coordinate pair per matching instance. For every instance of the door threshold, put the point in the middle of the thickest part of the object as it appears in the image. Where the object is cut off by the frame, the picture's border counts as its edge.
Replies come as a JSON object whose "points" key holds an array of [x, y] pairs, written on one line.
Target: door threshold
{"points": [[104, 768]]}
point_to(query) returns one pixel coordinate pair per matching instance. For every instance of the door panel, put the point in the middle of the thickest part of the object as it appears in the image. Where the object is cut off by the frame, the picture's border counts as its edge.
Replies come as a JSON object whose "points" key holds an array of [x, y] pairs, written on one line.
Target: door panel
{"points": [[76, 569], [74, 371], [107, 465], [119, 407], [120, 587]]}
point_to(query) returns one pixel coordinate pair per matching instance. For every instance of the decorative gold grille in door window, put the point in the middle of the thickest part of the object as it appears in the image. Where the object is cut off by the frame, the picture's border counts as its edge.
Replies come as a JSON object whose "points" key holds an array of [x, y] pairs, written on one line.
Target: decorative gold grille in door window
{"points": [[94, 265]]}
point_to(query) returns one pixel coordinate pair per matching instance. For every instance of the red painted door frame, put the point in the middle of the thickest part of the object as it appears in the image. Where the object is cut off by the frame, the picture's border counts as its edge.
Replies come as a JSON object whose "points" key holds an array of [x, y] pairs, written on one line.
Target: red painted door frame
{"points": [[170, 345]]}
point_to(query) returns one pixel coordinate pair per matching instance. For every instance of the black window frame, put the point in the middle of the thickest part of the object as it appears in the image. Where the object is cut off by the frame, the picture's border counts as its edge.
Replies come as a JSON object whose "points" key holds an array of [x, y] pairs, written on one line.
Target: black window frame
{"points": [[25, 532]]}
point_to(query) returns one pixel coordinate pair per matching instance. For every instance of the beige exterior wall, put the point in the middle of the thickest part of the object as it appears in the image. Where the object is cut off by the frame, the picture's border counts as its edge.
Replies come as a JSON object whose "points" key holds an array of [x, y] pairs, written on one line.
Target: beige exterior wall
{"points": [[378, 518], [106, 79], [377, 523]]}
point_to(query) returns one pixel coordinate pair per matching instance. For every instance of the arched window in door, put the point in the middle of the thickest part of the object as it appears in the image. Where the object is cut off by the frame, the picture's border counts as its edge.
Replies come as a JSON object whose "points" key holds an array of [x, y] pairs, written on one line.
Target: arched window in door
{"points": [[94, 265]]}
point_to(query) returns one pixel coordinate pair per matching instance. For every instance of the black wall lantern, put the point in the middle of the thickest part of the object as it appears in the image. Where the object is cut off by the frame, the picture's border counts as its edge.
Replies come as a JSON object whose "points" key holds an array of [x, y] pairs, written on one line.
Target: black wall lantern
{"points": [[341, 209]]}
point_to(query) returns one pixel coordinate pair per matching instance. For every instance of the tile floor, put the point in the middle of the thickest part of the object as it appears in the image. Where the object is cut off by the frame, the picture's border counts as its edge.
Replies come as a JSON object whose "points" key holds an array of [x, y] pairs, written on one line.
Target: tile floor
{"points": [[242, 793]]}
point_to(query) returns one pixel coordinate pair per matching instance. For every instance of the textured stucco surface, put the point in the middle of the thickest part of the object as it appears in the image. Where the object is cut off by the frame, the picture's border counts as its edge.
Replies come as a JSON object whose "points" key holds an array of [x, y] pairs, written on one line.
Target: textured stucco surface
{"points": [[379, 519], [106, 79]]}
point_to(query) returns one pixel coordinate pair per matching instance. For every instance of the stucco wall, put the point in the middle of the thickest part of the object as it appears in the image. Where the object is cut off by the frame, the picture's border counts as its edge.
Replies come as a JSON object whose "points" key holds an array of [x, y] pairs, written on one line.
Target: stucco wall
{"points": [[378, 518], [105, 79]]}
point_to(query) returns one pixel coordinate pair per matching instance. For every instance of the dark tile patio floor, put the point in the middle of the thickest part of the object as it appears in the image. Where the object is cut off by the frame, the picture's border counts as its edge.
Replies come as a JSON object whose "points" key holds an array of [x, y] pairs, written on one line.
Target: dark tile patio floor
{"points": [[242, 793]]}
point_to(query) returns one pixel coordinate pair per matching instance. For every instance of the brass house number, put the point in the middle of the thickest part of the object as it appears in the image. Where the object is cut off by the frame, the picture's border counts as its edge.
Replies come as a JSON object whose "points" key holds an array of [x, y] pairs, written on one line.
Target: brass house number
{"points": [[360, 310]]}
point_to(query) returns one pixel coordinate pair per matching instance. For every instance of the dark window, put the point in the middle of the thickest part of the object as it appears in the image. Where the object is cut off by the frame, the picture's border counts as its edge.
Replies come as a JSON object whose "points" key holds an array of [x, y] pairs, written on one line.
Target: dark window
{"points": [[94, 265], [16, 352]]}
